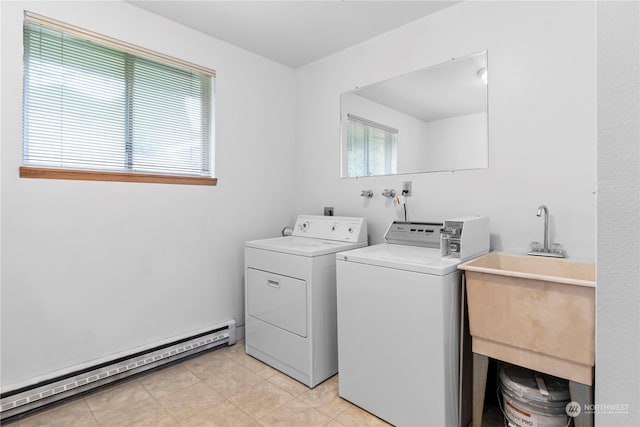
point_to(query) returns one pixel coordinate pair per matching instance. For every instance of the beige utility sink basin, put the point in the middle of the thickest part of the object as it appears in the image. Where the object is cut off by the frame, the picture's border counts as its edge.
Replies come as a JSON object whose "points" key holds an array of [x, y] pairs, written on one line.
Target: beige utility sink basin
{"points": [[532, 267], [535, 312]]}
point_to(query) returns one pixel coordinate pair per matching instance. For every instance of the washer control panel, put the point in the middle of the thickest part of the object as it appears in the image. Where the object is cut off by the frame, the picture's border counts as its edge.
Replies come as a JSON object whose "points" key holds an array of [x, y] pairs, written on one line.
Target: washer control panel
{"points": [[414, 233], [340, 228]]}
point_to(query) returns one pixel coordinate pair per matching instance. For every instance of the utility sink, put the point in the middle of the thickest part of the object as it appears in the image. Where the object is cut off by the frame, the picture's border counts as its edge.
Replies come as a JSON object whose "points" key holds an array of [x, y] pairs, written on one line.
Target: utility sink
{"points": [[534, 312], [536, 268]]}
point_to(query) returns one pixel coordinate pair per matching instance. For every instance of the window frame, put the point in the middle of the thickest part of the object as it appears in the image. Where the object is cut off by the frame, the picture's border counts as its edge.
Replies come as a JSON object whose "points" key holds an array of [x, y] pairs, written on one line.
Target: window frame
{"points": [[390, 145], [36, 171]]}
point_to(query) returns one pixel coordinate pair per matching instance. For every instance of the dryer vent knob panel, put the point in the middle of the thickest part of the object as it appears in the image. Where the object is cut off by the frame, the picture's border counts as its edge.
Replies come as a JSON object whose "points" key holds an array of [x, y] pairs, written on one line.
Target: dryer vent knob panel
{"points": [[338, 228]]}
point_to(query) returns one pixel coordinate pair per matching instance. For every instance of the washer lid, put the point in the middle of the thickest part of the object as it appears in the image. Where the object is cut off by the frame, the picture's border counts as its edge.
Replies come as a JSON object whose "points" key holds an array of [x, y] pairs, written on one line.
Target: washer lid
{"points": [[303, 246], [402, 257]]}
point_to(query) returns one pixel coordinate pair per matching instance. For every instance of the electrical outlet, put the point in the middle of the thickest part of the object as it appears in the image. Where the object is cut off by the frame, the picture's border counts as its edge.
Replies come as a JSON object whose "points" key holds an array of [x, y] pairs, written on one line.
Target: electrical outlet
{"points": [[328, 211], [406, 188]]}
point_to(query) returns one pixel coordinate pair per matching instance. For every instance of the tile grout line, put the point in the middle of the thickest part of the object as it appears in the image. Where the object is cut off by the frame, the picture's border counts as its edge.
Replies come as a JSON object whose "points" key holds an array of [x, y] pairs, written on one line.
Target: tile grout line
{"points": [[84, 400], [156, 401], [243, 411]]}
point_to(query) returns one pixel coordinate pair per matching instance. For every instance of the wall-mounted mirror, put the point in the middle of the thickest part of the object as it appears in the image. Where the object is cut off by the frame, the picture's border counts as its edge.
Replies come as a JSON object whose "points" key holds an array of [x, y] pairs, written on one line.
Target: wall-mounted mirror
{"points": [[434, 119]]}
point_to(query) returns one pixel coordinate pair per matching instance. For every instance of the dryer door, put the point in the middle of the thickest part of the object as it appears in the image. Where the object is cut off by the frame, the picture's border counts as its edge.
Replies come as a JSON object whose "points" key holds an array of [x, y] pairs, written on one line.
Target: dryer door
{"points": [[278, 300]]}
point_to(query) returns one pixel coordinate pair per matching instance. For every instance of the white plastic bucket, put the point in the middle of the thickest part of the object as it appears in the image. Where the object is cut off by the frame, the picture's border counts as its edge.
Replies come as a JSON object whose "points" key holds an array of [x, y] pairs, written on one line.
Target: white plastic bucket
{"points": [[531, 399]]}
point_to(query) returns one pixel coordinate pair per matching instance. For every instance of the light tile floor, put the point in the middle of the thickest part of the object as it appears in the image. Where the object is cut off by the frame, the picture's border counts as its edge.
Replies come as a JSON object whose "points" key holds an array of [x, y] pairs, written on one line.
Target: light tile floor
{"points": [[224, 387]]}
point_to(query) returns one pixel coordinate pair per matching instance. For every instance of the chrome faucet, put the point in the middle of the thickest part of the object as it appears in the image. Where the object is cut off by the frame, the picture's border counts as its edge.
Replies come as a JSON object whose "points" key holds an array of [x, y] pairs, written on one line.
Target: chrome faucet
{"points": [[543, 208], [546, 248], [389, 193]]}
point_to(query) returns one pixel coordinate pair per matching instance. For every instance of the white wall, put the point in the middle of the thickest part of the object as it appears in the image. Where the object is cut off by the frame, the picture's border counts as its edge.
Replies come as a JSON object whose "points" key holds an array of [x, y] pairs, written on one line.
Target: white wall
{"points": [[542, 115], [618, 292], [92, 269]]}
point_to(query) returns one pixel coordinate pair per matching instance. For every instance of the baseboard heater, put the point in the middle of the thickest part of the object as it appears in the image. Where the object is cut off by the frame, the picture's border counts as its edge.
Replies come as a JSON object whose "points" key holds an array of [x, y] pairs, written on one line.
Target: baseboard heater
{"points": [[26, 399]]}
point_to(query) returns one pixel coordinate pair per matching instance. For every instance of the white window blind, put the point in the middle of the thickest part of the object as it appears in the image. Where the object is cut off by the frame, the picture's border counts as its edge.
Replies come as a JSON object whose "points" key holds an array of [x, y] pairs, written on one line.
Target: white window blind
{"points": [[371, 148], [94, 103]]}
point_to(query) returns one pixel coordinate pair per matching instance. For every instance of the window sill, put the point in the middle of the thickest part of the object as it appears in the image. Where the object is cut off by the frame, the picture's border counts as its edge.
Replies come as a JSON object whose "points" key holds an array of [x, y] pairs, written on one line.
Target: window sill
{"points": [[85, 175]]}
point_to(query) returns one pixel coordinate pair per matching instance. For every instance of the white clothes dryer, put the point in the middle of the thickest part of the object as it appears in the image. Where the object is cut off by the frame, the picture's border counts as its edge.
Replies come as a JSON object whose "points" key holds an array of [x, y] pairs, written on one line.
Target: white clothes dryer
{"points": [[290, 296], [398, 327]]}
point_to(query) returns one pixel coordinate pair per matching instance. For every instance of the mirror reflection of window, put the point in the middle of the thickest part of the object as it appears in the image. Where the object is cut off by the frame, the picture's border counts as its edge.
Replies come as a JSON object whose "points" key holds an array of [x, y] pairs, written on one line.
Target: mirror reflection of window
{"points": [[371, 148], [440, 110]]}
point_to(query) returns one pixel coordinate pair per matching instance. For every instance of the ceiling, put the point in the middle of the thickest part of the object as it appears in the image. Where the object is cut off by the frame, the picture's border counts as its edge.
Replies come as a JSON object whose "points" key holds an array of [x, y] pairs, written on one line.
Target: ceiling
{"points": [[293, 33]]}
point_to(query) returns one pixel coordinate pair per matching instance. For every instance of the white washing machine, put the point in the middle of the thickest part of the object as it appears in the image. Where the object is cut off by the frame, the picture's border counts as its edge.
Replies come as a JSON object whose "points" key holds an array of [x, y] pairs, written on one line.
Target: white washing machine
{"points": [[398, 327], [290, 296]]}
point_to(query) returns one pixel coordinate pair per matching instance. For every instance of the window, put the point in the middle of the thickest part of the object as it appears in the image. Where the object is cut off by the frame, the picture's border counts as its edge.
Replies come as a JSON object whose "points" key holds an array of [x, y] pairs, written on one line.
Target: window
{"points": [[96, 108], [371, 148]]}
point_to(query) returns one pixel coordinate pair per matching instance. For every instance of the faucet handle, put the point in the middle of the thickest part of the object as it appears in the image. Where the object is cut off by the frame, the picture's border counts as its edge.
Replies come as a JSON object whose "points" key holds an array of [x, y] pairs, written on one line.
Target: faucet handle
{"points": [[536, 247]]}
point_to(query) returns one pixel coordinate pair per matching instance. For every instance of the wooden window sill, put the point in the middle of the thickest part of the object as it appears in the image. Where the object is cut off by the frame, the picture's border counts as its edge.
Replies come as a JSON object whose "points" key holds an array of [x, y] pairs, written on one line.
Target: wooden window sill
{"points": [[85, 175]]}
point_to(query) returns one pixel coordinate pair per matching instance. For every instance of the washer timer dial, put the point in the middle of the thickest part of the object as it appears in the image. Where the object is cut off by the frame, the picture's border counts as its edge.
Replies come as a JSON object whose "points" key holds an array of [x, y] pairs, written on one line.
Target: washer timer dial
{"points": [[305, 226]]}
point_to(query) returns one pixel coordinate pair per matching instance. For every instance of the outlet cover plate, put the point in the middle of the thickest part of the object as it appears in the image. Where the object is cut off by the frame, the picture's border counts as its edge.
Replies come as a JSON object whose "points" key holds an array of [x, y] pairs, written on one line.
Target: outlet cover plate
{"points": [[406, 189]]}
